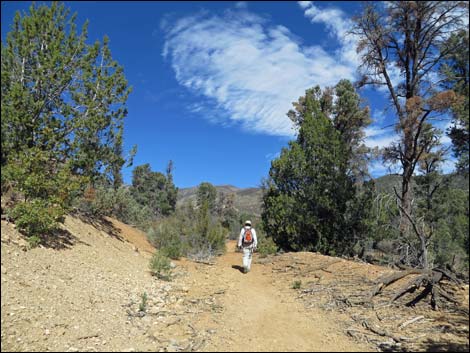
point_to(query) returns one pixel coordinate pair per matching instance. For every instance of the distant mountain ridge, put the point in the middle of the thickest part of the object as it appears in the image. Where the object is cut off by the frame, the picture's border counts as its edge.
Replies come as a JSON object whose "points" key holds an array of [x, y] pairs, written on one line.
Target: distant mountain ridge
{"points": [[249, 200]]}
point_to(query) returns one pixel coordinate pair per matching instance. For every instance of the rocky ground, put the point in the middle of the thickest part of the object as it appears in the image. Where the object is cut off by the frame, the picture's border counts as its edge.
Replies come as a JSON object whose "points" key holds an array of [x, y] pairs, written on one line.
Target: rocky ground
{"points": [[85, 292]]}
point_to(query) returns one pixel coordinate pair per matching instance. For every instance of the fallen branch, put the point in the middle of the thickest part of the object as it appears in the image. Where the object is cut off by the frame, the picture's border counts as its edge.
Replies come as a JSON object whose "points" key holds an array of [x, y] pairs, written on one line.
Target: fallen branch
{"points": [[377, 330], [449, 275], [409, 322], [385, 281], [409, 287]]}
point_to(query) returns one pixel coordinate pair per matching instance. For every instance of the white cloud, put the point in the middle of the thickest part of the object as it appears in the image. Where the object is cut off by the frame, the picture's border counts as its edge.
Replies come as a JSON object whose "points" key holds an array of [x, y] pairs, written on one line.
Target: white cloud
{"points": [[250, 70], [448, 166], [304, 4], [338, 23], [380, 137], [380, 141], [378, 116]]}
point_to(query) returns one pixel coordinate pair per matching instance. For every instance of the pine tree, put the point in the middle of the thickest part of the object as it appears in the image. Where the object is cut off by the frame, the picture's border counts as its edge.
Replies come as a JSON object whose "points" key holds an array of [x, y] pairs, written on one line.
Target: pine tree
{"points": [[99, 113], [206, 192], [63, 105], [154, 190]]}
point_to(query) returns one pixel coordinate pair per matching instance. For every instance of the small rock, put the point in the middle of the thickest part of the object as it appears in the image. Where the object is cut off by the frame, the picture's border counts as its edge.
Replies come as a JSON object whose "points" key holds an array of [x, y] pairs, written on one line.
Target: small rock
{"points": [[47, 332]]}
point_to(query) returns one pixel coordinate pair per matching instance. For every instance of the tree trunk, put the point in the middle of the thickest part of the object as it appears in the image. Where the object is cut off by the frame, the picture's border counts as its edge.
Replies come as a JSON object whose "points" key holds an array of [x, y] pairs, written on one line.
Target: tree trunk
{"points": [[405, 200], [424, 252]]}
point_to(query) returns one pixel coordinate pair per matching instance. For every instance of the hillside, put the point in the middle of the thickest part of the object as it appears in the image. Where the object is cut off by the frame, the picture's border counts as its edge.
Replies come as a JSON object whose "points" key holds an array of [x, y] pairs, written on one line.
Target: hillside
{"points": [[247, 200], [84, 295]]}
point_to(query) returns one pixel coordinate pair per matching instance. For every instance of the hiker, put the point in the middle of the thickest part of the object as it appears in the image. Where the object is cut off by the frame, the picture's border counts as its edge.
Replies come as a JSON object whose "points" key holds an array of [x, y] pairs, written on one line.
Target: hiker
{"points": [[248, 242]]}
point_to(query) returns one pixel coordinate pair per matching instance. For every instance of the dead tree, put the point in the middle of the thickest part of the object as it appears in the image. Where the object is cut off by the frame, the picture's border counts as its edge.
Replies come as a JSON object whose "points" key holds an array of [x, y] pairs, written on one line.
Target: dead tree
{"points": [[401, 47], [429, 281]]}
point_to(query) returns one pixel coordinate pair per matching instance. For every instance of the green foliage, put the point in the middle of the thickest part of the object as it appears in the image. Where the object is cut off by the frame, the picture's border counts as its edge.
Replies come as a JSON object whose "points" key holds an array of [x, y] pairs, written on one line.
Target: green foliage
{"points": [[297, 284], [207, 193], [309, 190], [207, 237], [266, 245], [455, 70], [44, 60], [143, 303], [167, 236], [358, 218], [450, 241], [37, 218], [46, 199], [34, 241], [160, 266], [154, 190], [35, 174], [216, 237], [170, 188], [63, 106], [350, 119], [119, 203], [383, 218], [189, 232]]}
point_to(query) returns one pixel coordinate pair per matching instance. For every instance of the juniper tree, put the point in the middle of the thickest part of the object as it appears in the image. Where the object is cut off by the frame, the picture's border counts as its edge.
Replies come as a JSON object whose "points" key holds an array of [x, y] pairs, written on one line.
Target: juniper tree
{"points": [[308, 188], [349, 118]]}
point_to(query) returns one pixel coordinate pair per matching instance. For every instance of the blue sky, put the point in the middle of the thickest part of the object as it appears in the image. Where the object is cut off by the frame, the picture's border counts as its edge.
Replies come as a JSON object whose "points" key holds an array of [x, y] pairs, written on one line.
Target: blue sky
{"points": [[213, 81]]}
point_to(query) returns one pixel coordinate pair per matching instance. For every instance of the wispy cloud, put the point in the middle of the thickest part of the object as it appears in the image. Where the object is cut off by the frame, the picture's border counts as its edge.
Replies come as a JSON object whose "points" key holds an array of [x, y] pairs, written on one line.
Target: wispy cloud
{"points": [[338, 24], [249, 69], [381, 141], [377, 136]]}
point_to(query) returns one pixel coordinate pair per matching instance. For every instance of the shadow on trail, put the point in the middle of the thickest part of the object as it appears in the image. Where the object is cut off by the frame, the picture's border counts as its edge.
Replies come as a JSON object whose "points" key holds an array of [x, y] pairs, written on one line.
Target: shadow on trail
{"points": [[238, 267]]}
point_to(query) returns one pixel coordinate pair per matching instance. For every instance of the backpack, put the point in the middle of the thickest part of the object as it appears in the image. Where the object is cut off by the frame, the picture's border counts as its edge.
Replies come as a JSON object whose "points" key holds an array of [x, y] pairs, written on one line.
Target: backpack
{"points": [[248, 237]]}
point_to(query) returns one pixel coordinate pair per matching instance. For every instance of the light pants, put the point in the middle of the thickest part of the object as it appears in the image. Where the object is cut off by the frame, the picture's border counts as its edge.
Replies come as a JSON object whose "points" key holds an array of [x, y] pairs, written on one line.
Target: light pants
{"points": [[247, 255]]}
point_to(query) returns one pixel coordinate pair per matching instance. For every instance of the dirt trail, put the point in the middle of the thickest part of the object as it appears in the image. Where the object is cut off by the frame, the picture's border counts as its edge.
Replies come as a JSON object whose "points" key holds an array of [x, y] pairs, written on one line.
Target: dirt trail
{"points": [[86, 295], [261, 315]]}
